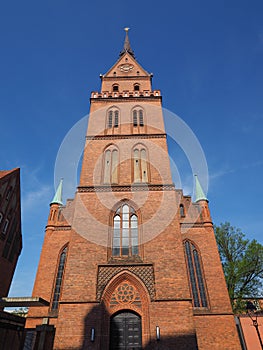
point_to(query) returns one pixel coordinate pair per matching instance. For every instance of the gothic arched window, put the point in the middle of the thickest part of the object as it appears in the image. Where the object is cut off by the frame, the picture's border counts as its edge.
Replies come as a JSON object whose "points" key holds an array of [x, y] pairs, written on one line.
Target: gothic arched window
{"points": [[110, 175], [138, 117], [195, 275], [59, 278], [125, 238], [140, 165], [113, 118]]}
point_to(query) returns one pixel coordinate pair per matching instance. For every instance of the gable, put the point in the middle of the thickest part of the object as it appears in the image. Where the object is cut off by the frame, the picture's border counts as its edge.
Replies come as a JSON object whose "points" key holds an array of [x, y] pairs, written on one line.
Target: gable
{"points": [[126, 66]]}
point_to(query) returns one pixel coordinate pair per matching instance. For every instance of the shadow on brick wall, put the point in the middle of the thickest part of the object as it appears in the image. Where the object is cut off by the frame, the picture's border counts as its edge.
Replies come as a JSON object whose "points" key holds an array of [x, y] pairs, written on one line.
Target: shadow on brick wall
{"points": [[99, 320]]}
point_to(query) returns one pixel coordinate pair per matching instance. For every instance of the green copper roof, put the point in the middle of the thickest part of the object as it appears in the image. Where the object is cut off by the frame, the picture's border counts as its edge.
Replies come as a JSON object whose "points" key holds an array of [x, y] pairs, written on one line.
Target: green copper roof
{"points": [[199, 193], [58, 195]]}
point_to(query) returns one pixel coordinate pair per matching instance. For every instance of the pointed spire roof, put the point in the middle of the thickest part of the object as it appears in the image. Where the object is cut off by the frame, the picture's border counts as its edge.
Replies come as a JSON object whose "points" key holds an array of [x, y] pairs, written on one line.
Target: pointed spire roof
{"points": [[58, 195], [127, 45], [199, 193]]}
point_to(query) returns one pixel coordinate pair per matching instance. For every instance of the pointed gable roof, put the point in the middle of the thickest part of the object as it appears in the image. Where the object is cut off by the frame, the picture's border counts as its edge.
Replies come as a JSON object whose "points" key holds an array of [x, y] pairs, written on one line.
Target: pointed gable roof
{"points": [[126, 64]]}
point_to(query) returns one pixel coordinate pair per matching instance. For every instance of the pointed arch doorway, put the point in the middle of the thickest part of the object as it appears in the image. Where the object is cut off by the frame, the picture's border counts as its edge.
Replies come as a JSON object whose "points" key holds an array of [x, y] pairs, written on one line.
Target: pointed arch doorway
{"points": [[125, 331]]}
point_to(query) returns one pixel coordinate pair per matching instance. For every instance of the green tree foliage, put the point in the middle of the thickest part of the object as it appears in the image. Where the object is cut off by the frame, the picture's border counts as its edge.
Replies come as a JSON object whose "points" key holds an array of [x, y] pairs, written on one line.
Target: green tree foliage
{"points": [[242, 262], [22, 311]]}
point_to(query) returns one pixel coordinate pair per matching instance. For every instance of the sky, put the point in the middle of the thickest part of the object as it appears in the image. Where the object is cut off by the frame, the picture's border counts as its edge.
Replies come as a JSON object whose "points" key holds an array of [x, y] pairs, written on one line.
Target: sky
{"points": [[207, 59]]}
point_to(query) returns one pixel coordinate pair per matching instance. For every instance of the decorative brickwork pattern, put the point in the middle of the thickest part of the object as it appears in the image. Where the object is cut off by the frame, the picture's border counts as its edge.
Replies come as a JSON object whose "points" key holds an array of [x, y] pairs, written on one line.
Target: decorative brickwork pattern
{"points": [[117, 137], [127, 94], [144, 272], [125, 294], [134, 188]]}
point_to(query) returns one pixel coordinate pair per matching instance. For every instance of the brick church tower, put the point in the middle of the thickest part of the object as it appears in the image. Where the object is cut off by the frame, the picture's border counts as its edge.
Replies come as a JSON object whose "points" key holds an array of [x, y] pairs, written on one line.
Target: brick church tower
{"points": [[130, 262]]}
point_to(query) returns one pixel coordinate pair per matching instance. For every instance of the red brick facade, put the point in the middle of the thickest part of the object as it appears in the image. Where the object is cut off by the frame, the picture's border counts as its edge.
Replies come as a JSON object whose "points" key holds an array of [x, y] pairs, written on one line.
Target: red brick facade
{"points": [[126, 168]]}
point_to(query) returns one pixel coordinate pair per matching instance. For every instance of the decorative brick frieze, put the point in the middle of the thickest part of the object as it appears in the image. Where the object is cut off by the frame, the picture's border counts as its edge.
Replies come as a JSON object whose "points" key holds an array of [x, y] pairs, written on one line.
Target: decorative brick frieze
{"points": [[144, 271], [132, 136], [133, 188]]}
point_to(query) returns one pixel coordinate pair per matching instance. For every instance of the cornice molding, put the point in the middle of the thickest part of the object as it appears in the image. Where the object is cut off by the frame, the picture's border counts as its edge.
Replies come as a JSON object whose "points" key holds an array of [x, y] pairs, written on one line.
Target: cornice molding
{"points": [[126, 136], [191, 224], [195, 224], [124, 99], [128, 188], [58, 228], [133, 77]]}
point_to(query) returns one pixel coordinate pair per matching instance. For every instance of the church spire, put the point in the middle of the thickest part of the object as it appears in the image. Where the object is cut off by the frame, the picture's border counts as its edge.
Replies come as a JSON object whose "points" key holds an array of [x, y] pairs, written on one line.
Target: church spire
{"points": [[199, 193], [127, 45], [58, 195]]}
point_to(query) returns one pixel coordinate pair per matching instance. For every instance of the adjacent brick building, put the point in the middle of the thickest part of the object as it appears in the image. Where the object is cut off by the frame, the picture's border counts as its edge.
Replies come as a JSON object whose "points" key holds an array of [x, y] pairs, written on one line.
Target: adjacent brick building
{"points": [[11, 326], [130, 262], [10, 227]]}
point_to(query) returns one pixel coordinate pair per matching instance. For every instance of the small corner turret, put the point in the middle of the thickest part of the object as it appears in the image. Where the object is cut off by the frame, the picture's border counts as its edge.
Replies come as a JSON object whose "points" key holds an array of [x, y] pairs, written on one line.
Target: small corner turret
{"points": [[201, 199], [55, 205]]}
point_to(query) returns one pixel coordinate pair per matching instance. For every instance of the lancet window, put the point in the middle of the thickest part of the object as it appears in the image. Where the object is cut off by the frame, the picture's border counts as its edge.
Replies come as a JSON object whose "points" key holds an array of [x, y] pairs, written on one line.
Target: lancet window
{"points": [[137, 116], [140, 164], [196, 276], [113, 117], [59, 279], [125, 237], [110, 174]]}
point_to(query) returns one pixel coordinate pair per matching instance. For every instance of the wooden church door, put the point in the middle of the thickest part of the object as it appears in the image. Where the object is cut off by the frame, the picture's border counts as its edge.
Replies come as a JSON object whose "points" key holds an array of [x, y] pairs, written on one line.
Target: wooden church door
{"points": [[125, 331]]}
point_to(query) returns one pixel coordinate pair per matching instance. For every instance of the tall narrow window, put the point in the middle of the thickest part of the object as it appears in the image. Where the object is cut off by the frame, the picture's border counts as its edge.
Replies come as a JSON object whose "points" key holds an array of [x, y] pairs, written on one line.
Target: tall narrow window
{"points": [[107, 167], [195, 275], [134, 235], [137, 167], [182, 214], [6, 224], [114, 166], [113, 118], [134, 115], [140, 165], [138, 119], [125, 241], [110, 119], [115, 88], [10, 237], [59, 277], [144, 172], [9, 192], [116, 119], [136, 87], [141, 117], [110, 175]]}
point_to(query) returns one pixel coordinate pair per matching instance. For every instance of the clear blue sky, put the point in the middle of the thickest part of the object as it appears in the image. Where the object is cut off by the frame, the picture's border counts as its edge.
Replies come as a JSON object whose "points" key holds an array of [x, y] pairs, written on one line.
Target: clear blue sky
{"points": [[207, 59]]}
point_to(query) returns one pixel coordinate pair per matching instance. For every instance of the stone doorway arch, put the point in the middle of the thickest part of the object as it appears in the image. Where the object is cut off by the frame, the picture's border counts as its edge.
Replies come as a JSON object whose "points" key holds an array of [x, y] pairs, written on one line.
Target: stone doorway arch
{"points": [[126, 293]]}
